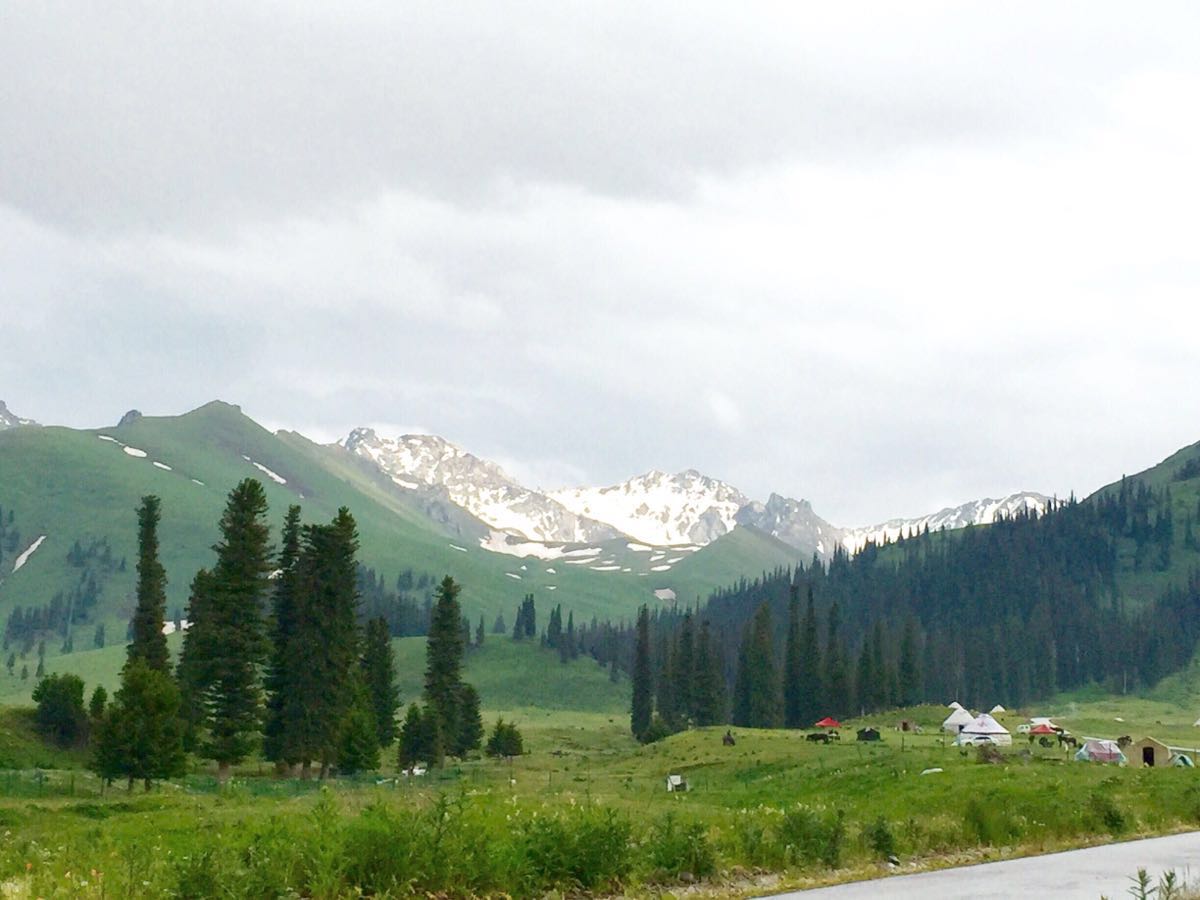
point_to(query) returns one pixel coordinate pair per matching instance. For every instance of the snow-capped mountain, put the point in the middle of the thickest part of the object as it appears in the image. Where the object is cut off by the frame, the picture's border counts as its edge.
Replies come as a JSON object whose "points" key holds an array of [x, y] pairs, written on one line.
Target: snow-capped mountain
{"points": [[977, 512], [415, 461], [655, 509], [661, 509], [8, 419], [794, 523]]}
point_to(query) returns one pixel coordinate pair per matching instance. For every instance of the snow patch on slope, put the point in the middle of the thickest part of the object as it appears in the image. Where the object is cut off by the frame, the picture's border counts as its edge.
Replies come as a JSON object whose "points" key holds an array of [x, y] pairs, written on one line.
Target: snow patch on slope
{"points": [[29, 551]]}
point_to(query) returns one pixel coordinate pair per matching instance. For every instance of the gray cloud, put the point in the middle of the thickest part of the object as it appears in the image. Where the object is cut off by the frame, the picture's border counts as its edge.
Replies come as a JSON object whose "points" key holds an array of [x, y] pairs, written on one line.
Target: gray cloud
{"points": [[883, 258]]}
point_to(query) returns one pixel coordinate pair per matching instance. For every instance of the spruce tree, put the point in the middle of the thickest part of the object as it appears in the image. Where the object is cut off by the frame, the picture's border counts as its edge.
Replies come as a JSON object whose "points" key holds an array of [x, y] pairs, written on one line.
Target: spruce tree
{"points": [[470, 724], [149, 643], [418, 738], [683, 670], [325, 640], [443, 668], [709, 692], [810, 692], [837, 682], [281, 675], [358, 749], [379, 673], [642, 705], [793, 674], [909, 675], [757, 701], [140, 735], [230, 627]]}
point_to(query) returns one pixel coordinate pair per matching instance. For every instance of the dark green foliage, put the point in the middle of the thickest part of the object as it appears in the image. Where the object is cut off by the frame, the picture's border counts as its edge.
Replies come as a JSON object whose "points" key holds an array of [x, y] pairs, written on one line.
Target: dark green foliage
{"points": [[837, 681], [60, 713], [757, 701], [98, 635], [810, 693], [418, 738], [470, 723], [909, 674], [149, 643], [140, 736], [812, 838], [379, 672], [880, 838], [708, 693], [505, 740], [683, 671], [281, 674], [358, 749], [642, 707], [676, 848], [229, 638], [793, 666], [97, 703], [525, 625], [580, 852], [443, 668], [324, 644]]}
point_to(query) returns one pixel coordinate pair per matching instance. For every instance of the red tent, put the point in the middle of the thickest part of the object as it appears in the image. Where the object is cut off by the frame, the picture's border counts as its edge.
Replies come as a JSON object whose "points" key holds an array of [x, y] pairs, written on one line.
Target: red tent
{"points": [[827, 722], [1042, 728]]}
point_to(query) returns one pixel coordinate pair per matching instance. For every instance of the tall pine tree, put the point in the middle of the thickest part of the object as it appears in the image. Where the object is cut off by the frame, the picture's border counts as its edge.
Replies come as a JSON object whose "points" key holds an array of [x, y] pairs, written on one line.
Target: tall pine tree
{"points": [[757, 702], [231, 630], [793, 665], [379, 673], [149, 643], [281, 675], [709, 690], [837, 681], [443, 668], [810, 693], [642, 704]]}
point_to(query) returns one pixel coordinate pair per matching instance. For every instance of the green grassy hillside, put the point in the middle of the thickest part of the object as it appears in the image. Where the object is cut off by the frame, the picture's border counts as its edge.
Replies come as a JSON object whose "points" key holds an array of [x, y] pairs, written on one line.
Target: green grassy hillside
{"points": [[83, 486], [509, 675]]}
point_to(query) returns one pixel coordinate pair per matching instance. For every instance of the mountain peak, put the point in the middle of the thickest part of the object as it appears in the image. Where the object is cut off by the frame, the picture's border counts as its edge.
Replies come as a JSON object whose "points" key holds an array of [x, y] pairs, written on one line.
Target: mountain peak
{"points": [[9, 419], [417, 461]]}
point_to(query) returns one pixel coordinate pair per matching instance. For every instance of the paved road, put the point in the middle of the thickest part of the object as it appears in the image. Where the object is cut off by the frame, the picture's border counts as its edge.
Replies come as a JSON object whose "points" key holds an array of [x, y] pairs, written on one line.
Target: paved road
{"points": [[1083, 874]]}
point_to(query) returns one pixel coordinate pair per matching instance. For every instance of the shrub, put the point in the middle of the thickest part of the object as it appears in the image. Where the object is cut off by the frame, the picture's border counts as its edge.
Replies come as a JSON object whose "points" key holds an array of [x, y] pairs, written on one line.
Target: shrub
{"points": [[809, 838], [1106, 814], [880, 838], [60, 713], [378, 849], [505, 740], [581, 850], [675, 849]]}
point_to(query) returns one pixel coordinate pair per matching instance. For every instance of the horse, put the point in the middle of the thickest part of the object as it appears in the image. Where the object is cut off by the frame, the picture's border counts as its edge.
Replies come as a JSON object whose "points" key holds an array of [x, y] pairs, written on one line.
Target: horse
{"points": [[728, 739], [817, 737], [1066, 740], [1124, 741]]}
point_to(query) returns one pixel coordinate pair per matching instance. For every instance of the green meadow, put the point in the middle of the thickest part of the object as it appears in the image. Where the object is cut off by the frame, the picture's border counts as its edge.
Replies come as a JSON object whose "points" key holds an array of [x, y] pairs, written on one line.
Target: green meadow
{"points": [[586, 810]]}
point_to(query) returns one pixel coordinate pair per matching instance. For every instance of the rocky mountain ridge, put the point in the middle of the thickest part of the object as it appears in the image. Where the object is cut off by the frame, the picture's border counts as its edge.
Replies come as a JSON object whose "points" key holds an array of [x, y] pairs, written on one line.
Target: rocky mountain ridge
{"points": [[655, 509]]}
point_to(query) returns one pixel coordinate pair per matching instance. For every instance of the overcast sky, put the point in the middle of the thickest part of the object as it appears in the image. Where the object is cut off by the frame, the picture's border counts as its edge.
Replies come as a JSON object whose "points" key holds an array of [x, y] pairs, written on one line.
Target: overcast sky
{"points": [[886, 257]]}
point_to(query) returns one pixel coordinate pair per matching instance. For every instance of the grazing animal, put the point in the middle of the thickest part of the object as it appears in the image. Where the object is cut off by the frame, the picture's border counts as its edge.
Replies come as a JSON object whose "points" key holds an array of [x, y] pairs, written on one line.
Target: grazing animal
{"points": [[1124, 741], [817, 737], [1066, 740], [728, 739], [1045, 742]]}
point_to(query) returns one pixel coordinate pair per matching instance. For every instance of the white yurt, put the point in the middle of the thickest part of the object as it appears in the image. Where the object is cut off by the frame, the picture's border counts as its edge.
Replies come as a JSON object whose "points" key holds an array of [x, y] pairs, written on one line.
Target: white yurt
{"points": [[995, 710], [954, 704], [957, 720], [985, 728]]}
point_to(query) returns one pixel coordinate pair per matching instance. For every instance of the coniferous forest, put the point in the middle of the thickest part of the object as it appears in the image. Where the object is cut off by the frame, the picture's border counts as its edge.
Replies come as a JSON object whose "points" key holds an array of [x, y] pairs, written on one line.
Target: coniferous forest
{"points": [[1008, 613], [278, 659]]}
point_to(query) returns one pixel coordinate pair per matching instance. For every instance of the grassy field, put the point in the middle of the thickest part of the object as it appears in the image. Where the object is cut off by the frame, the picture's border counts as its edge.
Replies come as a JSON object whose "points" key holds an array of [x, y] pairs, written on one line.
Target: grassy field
{"points": [[508, 675], [587, 808]]}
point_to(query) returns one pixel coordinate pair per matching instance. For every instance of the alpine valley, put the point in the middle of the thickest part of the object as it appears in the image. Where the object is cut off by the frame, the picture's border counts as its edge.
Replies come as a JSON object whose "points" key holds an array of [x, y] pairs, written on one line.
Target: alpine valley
{"points": [[423, 505]]}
